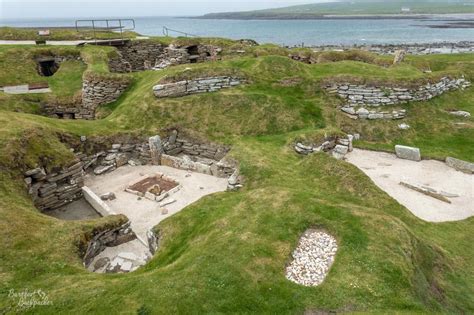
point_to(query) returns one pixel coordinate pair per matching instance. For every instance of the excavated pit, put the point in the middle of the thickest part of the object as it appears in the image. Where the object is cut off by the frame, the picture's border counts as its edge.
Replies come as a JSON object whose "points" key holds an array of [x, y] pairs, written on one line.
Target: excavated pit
{"points": [[47, 66], [77, 210]]}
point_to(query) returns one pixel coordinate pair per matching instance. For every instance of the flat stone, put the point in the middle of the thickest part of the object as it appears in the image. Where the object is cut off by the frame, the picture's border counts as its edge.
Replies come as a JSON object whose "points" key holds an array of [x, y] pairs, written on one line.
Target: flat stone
{"points": [[102, 169], [408, 153], [129, 256], [340, 151], [461, 113], [460, 165], [126, 266]]}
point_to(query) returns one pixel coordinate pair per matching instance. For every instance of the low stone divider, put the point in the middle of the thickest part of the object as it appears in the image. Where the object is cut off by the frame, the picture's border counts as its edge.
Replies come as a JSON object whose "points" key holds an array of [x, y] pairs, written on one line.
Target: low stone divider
{"points": [[460, 165], [96, 203], [359, 96], [338, 147]]}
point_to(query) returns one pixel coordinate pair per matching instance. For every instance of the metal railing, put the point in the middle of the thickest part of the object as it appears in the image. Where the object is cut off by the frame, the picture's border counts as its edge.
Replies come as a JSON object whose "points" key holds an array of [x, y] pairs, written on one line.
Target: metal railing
{"points": [[166, 31], [97, 25]]}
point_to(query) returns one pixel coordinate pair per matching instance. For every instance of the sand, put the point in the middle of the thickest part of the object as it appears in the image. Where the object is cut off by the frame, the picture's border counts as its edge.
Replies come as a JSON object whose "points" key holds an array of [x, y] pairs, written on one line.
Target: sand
{"points": [[387, 171]]}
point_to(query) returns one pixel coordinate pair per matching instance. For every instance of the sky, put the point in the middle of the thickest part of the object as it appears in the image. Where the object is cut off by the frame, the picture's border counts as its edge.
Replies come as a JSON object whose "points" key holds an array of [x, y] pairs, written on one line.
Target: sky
{"points": [[17, 9]]}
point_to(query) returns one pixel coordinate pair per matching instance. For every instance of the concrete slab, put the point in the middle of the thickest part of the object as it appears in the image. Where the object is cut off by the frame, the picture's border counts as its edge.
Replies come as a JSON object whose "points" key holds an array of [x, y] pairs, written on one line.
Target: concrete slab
{"points": [[387, 171]]}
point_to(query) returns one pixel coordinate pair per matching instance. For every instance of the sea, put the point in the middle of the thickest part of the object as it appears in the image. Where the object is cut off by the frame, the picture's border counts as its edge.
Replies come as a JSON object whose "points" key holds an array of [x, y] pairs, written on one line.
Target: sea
{"points": [[289, 32]]}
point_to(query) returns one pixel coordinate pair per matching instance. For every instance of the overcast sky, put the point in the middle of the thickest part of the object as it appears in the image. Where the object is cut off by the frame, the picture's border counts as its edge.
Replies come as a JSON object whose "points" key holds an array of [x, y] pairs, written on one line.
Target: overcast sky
{"points": [[15, 9]]}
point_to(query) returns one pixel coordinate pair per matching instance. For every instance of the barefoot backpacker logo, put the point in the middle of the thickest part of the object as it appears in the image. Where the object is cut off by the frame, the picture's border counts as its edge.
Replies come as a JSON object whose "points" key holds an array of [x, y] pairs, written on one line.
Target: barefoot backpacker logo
{"points": [[27, 299]]}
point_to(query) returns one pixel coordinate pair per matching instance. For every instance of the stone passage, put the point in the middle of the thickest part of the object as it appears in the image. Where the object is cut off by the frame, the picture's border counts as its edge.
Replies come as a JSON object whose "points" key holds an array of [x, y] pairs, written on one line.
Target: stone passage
{"points": [[200, 85], [312, 258], [360, 96], [47, 66]]}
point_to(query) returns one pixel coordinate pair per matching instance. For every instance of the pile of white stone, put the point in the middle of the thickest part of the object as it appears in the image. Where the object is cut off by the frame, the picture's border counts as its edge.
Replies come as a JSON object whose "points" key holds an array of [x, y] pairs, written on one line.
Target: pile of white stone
{"points": [[312, 258]]}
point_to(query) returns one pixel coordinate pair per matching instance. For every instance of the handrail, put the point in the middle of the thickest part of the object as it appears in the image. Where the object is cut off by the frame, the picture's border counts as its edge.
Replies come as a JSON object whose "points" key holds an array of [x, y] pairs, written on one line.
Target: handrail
{"points": [[166, 32], [121, 26]]}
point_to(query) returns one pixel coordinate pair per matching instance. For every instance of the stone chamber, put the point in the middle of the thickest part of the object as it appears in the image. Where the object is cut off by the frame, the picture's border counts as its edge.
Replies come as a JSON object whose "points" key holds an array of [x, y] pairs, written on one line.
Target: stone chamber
{"points": [[144, 180]]}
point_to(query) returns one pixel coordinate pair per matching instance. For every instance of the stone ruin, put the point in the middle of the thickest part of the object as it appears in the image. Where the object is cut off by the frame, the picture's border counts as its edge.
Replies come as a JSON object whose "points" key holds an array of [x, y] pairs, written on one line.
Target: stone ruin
{"points": [[336, 146], [60, 187], [146, 55], [198, 85], [359, 96], [154, 187]]}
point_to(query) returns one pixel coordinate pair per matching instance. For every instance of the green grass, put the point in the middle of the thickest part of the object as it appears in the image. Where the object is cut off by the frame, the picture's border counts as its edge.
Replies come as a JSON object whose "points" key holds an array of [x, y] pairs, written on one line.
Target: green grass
{"points": [[12, 33], [227, 252]]}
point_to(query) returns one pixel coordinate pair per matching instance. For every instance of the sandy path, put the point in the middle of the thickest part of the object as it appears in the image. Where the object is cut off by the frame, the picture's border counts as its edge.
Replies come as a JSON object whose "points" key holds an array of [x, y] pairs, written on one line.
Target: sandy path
{"points": [[387, 171]]}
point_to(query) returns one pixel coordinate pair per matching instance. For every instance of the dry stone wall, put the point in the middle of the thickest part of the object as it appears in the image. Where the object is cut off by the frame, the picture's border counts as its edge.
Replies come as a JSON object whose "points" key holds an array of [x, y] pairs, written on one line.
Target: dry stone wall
{"points": [[358, 97], [145, 55], [107, 238], [99, 91], [53, 190], [200, 85], [336, 146]]}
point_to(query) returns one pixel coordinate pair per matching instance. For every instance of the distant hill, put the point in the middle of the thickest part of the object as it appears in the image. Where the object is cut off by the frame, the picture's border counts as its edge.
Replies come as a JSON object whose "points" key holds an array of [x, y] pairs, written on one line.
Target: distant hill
{"points": [[397, 8]]}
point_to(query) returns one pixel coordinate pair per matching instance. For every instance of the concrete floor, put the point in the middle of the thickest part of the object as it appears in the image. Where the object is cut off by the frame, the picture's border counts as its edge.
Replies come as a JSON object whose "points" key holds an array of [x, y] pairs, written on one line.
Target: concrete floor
{"points": [[387, 171], [76, 210], [143, 213]]}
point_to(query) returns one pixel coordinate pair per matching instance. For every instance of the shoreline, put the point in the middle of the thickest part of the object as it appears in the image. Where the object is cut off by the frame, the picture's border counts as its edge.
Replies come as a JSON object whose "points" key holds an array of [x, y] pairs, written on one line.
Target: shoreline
{"points": [[223, 16]]}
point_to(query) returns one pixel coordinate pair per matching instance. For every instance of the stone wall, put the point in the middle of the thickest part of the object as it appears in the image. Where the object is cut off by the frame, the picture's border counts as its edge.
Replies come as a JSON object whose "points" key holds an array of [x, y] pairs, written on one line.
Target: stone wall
{"points": [[107, 238], [70, 109], [56, 189], [53, 190], [99, 91], [358, 97], [135, 54], [199, 85], [336, 146], [145, 55], [138, 152]]}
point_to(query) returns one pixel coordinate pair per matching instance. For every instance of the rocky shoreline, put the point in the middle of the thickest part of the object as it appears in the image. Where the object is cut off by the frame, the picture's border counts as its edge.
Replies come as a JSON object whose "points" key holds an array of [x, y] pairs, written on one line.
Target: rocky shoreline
{"points": [[414, 49]]}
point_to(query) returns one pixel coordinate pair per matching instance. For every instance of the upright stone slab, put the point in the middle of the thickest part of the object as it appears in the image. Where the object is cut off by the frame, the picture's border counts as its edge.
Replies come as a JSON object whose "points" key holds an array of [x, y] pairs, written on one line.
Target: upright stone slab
{"points": [[408, 153], [156, 149], [399, 56]]}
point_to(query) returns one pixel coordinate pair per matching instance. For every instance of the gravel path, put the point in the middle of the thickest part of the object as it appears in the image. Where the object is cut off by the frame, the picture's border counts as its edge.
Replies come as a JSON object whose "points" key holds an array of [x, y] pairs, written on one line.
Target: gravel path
{"points": [[312, 258]]}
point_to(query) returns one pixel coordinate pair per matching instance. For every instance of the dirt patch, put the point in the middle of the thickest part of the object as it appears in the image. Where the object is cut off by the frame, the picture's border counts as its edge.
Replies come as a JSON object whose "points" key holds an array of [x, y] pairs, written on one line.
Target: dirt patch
{"points": [[156, 184]]}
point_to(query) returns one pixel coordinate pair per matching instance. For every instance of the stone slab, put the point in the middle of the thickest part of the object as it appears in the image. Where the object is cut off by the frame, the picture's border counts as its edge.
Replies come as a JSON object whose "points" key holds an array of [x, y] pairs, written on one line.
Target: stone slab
{"points": [[408, 153]]}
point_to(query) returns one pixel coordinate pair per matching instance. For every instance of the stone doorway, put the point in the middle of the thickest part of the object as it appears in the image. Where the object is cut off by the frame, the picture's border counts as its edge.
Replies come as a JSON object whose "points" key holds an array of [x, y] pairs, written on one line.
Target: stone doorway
{"points": [[47, 66]]}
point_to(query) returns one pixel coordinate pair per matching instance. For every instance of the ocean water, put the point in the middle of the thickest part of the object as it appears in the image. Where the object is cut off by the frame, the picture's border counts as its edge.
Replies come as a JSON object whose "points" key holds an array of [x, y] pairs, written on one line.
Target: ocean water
{"points": [[292, 32]]}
